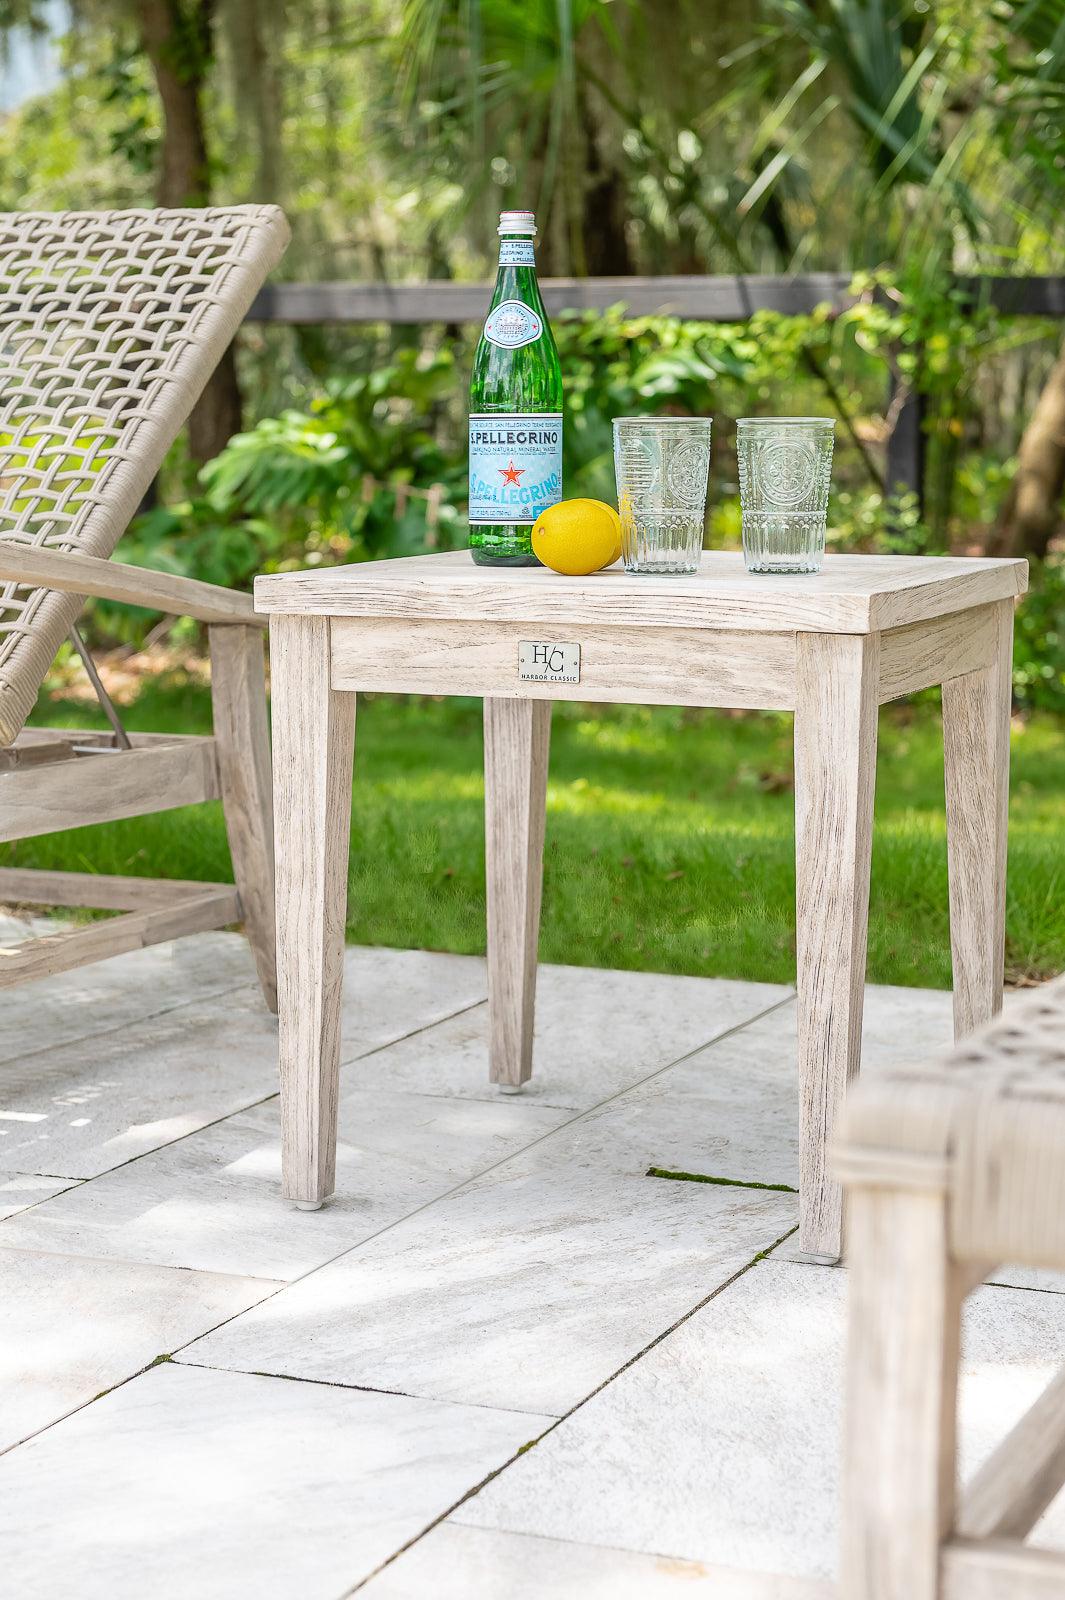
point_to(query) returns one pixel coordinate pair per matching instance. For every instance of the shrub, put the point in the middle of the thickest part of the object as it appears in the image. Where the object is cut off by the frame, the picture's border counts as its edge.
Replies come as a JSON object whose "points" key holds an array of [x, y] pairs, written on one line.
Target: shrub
{"points": [[1039, 640]]}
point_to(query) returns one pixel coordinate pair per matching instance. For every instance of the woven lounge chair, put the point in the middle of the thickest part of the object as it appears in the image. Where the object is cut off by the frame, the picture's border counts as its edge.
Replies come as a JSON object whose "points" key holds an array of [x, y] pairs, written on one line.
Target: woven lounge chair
{"points": [[950, 1168], [110, 325]]}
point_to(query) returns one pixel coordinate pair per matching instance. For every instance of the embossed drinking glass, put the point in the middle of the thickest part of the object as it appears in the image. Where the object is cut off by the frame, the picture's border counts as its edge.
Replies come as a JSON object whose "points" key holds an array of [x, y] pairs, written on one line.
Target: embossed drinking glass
{"points": [[785, 470], [661, 465]]}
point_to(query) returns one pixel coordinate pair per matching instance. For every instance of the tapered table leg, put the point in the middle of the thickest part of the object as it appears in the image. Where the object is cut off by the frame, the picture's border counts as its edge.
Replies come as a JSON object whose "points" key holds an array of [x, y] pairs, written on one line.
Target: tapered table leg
{"points": [[313, 740], [976, 751], [837, 680], [516, 739]]}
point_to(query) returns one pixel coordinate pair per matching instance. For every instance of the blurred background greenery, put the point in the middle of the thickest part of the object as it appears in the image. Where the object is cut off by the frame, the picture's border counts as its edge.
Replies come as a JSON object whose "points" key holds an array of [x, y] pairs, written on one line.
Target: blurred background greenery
{"points": [[901, 142]]}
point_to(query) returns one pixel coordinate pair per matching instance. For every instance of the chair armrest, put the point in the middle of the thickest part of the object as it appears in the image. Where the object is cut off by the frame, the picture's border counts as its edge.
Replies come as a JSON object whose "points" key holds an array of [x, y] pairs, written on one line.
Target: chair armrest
{"points": [[983, 1122], [36, 567]]}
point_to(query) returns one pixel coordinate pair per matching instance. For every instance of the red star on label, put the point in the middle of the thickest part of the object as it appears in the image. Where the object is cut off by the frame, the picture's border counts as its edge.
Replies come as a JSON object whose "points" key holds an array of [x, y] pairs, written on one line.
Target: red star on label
{"points": [[511, 473]]}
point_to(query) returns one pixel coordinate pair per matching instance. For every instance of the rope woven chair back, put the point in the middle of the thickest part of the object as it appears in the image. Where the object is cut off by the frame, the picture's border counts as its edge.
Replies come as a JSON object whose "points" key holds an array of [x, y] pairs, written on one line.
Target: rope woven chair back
{"points": [[110, 325]]}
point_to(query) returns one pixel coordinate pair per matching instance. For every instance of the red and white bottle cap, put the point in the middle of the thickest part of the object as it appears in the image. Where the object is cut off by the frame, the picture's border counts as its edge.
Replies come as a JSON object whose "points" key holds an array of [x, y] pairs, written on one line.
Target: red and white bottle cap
{"points": [[520, 222]]}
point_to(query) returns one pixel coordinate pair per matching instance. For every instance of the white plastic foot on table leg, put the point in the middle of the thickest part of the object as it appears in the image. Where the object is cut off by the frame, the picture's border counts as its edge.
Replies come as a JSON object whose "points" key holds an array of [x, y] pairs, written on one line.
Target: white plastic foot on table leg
{"points": [[308, 1205], [510, 1088]]}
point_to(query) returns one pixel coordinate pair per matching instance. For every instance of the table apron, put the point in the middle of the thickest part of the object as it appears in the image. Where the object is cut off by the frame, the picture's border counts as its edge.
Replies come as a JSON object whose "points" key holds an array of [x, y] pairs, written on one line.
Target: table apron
{"points": [[626, 664], [639, 665], [926, 653]]}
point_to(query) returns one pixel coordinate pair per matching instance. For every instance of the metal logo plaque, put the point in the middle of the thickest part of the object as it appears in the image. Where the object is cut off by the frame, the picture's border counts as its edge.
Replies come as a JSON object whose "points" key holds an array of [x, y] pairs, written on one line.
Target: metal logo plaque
{"points": [[541, 662]]}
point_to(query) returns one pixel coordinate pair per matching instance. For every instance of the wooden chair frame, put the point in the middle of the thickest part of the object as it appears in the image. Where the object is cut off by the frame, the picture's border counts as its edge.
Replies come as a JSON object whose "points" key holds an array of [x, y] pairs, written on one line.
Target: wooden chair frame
{"points": [[949, 1169], [111, 324], [52, 779]]}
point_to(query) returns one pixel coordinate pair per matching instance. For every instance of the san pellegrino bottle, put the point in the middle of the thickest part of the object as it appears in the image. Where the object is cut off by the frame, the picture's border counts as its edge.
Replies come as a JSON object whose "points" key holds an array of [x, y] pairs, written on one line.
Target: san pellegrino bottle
{"points": [[515, 408]]}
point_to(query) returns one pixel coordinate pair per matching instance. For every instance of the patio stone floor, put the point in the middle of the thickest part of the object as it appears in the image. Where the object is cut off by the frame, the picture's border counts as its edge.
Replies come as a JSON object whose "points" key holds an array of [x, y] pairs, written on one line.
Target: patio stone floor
{"points": [[504, 1361]]}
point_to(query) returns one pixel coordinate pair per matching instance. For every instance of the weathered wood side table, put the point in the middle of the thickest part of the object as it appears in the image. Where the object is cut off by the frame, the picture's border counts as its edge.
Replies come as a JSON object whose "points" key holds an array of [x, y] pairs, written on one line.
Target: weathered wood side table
{"points": [[829, 647]]}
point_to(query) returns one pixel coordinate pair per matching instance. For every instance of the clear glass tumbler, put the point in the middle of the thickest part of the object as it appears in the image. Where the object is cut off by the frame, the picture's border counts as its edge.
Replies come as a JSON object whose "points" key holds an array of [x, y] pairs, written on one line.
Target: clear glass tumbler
{"points": [[785, 470], [661, 465]]}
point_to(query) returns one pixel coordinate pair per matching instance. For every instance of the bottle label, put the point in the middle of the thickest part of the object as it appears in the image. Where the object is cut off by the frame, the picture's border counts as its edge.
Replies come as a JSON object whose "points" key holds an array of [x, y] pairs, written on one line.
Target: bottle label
{"points": [[515, 466], [513, 324], [516, 253]]}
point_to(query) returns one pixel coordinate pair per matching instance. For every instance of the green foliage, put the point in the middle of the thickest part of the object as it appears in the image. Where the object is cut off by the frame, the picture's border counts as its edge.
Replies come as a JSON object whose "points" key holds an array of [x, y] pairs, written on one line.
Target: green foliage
{"points": [[1030, 68], [616, 365], [193, 539], [894, 61], [651, 135], [324, 483], [1039, 640], [321, 485], [130, 110], [927, 329], [327, 481], [934, 340], [510, 79]]}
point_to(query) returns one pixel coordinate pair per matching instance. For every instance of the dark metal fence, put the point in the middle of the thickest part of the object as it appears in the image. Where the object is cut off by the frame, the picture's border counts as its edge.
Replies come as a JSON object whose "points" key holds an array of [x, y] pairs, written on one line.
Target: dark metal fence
{"points": [[703, 299]]}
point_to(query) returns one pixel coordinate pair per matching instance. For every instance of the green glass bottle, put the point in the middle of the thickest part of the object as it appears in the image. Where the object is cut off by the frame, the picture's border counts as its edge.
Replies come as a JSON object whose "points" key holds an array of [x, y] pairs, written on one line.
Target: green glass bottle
{"points": [[515, 408]]}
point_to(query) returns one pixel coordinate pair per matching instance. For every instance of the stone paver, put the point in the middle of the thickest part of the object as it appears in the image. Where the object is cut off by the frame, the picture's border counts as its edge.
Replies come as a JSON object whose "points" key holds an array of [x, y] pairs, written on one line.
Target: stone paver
{"points": [[82, 1106], [213, 1201], [491, 1262], [722, 1444], [730, 1109], [93, 1002], [71, 1328], [454, 1563], [228, 1487], [91, 1105], [1030, 1278], [19, 1190], [15, 927], [596, 1033], [523, 1292]]}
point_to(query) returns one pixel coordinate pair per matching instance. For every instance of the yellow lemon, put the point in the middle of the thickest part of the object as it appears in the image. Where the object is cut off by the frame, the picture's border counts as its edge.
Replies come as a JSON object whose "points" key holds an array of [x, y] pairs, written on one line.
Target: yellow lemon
{"points": [[577, 537]]}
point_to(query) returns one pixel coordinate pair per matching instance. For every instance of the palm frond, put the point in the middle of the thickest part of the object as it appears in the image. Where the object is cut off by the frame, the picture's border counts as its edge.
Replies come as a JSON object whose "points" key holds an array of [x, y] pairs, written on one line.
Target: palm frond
{"points": [[889, 61]]}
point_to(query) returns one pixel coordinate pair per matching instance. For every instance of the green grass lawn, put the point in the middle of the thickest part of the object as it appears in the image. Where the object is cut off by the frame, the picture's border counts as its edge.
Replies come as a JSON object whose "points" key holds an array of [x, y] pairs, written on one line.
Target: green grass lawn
{"points": [[669, 837]]}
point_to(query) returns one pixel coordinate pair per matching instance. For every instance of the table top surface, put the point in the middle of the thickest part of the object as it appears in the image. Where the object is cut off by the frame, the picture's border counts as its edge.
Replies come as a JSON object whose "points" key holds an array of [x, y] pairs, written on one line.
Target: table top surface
{"points": [[851, 593]]}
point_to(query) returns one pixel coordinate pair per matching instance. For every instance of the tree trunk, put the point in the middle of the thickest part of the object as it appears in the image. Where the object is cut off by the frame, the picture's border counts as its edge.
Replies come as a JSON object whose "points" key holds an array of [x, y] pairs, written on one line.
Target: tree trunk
{"points": [[177, 41], [176, 37], [253, 29], [1031, 511], [606, 244]]}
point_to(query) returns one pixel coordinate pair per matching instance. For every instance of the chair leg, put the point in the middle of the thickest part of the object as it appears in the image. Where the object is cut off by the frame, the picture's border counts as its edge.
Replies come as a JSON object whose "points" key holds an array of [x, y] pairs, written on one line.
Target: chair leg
{"points": [[242, 738], [516, 738], [837, 677], [976, 760], [314, 734], [902, 1378]]}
